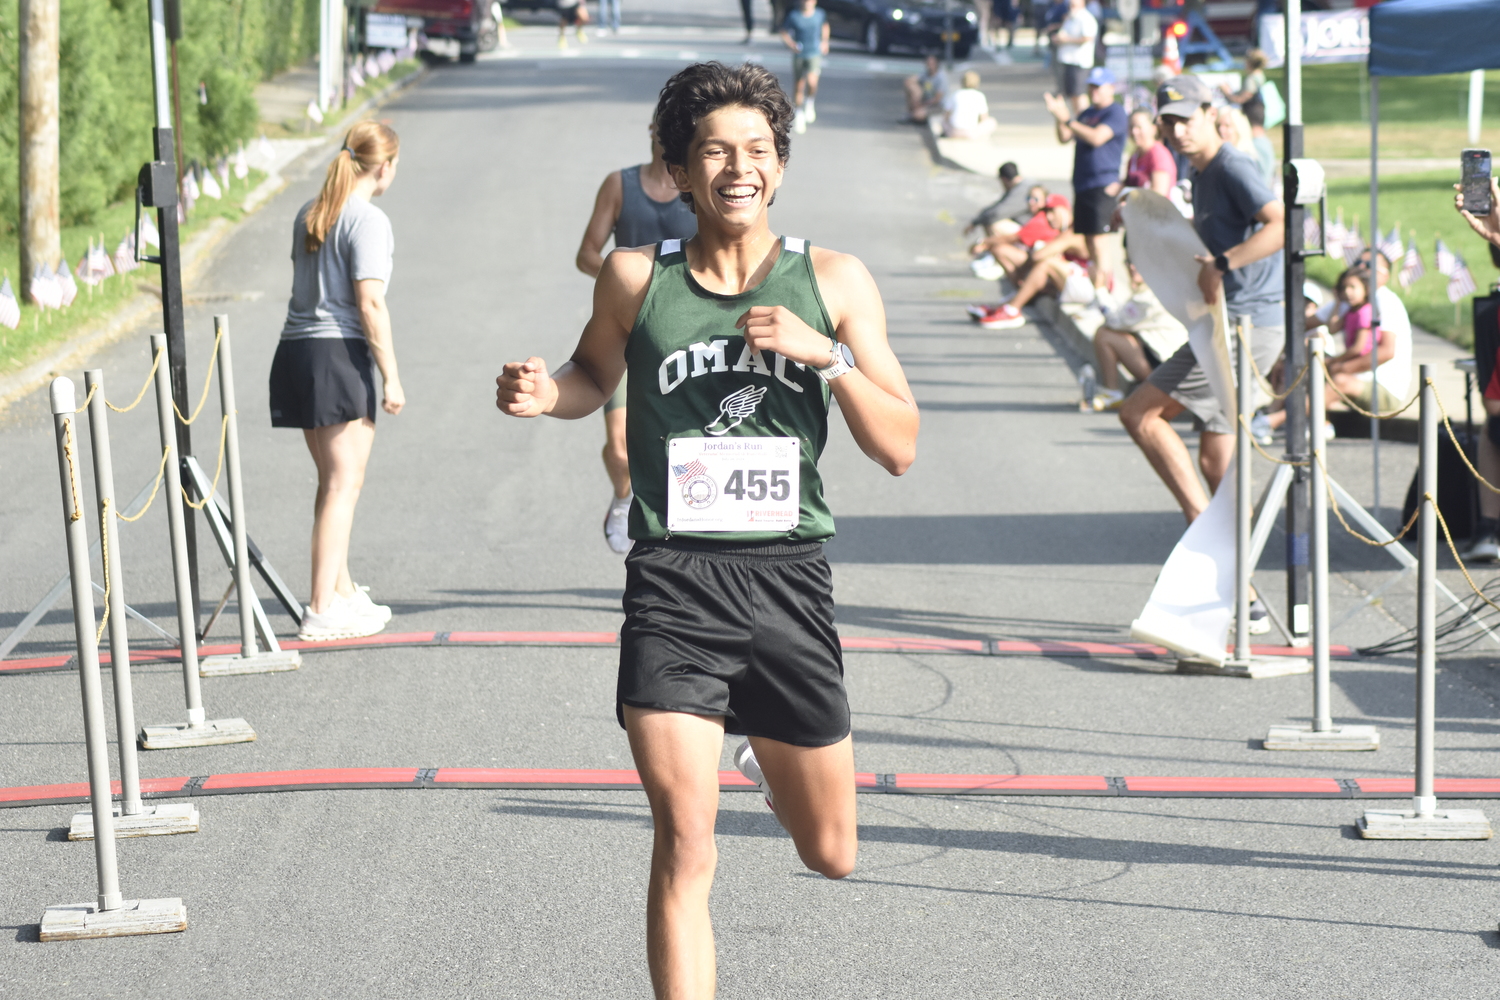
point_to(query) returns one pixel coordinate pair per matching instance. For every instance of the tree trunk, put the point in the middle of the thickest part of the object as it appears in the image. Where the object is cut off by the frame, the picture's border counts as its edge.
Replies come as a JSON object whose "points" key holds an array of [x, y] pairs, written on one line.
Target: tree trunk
{"points": [[41, 238]]}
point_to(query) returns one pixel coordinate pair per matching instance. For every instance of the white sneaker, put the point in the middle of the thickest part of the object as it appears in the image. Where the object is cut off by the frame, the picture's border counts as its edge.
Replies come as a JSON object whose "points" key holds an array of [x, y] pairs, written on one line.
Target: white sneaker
{"points": [[799, 122], [986, 268], [1260, 430], [617, 525], [810, 111], [361, 599], [744, 759], [344, 619]]}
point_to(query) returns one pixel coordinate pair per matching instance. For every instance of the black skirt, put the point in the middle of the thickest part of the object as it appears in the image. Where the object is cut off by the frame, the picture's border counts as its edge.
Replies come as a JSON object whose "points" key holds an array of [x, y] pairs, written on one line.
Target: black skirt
{"points": [[320, 381]]}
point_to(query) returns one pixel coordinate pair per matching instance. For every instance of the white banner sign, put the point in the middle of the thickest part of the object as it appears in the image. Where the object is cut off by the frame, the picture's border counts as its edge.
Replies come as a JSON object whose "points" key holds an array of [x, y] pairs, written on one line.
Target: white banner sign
{"points": [[1327, 37]]}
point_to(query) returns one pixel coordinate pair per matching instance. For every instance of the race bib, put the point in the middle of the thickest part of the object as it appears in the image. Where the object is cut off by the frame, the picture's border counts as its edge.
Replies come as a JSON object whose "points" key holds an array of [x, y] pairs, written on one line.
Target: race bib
{"points": [[733, 483]]}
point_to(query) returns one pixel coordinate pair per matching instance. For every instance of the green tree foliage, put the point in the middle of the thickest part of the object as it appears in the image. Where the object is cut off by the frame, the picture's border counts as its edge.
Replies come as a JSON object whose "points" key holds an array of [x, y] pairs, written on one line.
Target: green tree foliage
{"points": [[105, 88]]}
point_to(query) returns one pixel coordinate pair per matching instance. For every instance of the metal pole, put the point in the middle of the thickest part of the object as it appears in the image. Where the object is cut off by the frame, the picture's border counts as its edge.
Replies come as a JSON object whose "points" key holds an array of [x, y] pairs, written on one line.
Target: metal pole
{"points": [[1425, 803], [1244, 503], [119, 640], [1375, 286], [1322, 717], [171, 279], [242, 582], [1295, 350], [64, 414], [172, 484]]}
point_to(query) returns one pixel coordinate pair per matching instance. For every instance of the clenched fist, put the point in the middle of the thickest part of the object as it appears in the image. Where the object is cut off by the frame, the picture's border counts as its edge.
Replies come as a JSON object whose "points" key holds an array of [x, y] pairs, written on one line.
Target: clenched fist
{"points": [[524, 389]]}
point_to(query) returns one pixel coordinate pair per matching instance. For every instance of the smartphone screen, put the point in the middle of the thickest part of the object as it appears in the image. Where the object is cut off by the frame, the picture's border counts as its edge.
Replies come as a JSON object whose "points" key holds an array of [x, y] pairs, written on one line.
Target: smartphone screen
{"points": [[1476, 181]]}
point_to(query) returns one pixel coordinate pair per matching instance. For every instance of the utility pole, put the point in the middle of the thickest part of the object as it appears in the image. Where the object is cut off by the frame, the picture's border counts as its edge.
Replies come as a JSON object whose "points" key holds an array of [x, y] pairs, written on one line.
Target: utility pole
{"points": [[41, 235]]}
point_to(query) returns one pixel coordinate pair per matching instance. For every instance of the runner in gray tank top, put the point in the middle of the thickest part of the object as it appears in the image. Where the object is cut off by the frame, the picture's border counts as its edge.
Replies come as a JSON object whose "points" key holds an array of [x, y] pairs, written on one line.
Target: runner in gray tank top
{"points": [[642, 207]]}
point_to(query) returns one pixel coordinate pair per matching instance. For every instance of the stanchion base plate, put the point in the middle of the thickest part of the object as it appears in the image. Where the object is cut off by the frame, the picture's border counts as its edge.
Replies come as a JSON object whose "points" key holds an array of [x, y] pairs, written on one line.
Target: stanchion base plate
{"points": [[1256, 668], [1337, 738], [211, 733], [260, 663], [155, 820], [137, 916], [1444, 824]]}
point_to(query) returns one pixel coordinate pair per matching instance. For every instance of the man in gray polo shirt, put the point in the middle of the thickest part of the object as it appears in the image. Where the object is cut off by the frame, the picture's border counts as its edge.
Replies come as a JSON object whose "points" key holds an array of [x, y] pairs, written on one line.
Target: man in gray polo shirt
{"points": [[1239, 220]]}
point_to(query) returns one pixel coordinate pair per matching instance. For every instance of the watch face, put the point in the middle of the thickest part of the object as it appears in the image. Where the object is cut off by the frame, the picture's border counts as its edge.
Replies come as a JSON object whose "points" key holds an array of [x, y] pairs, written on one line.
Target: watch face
{"points": [[848, 355]]}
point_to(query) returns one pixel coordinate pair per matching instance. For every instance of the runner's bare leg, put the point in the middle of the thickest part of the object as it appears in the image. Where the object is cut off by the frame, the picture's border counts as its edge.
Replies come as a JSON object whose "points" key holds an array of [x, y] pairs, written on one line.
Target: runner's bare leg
{"points": [[814, 792], [677, 756], [616, 453]]}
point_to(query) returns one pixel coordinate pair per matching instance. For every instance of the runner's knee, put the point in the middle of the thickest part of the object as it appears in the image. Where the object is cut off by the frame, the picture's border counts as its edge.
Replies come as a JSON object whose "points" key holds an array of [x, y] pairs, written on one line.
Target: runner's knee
{"points": [[833, 858]]}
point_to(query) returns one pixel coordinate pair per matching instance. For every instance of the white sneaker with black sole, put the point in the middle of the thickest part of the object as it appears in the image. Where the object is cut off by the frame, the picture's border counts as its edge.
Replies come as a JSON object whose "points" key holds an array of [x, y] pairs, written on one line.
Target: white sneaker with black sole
{"points": [[744, 759], [345, 618], [617, 525]]}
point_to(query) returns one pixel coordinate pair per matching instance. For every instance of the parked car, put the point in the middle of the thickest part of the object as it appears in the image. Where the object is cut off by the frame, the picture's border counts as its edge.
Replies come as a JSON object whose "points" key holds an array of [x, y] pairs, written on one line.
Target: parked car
{"points": [[913, 25], [470, 23]]}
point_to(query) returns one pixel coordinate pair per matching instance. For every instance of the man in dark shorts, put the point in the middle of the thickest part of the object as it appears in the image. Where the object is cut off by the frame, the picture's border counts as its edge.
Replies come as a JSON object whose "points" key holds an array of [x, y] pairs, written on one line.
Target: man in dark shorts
{"points": [[1073, 48], [1098, 134], [1239, 220], [736, 341], [805, 31], [641, 206]]}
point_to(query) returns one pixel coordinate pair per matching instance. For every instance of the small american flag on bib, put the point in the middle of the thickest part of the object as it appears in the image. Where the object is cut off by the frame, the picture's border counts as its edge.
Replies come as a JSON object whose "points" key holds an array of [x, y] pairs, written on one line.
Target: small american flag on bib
{"points": [[686, 472]]}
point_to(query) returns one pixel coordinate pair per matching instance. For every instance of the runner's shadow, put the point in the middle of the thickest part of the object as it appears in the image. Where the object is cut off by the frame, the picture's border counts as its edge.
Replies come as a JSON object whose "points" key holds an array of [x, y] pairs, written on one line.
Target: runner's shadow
{"points": [[1121, 538]]}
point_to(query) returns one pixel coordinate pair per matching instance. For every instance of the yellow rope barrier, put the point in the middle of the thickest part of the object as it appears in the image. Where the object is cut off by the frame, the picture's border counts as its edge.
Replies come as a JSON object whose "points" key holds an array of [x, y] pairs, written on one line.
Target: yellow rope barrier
{"points": [[155, 363], [68, 449], [104, 556], [207, 381], [1265, 383], [1264, 454], [223, 436], [1448, 535], [161, 471], [1339, 513], [1458, 447], [1328, 376]]}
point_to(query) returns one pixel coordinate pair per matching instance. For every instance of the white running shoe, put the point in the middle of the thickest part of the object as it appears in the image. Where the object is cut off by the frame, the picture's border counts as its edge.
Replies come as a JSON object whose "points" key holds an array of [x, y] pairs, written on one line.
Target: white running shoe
{"points": [[343, 619], [1260, 430], [617, 525], [799, 122], [361, 599], [744, 759], [810, 111], [986, 268]]}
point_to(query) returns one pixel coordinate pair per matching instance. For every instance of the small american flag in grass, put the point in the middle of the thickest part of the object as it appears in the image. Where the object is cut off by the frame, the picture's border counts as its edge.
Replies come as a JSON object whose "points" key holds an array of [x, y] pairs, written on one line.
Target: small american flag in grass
{"points": [[10, 309]]}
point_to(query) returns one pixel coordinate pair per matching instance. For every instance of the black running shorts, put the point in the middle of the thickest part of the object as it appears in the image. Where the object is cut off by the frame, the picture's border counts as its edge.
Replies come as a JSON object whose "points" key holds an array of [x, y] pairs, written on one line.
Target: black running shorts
{"points": [[1093, 210], [740, 631], [320, 381]]}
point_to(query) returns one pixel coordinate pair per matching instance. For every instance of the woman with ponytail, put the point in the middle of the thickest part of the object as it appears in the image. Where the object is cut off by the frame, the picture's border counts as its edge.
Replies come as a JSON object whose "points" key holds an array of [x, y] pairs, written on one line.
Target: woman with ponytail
{"points": [[337, 329]]}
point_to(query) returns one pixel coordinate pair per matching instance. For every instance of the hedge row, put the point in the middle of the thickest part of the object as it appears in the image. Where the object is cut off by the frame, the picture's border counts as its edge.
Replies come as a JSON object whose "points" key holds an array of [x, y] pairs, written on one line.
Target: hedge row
{"points": [[106, 96]]}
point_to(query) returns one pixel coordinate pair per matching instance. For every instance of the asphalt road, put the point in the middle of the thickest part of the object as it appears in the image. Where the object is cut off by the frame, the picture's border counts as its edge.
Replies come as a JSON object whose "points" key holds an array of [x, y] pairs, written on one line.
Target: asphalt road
{"points": [[1022, 519]]}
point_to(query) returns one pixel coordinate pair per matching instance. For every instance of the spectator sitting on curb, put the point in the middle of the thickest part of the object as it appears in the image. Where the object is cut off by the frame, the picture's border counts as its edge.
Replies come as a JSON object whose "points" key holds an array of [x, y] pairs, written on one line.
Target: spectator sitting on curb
{"points": [[1011, 210], [1140, 334], [1152, 165], [1350, 369], [1098, 136], [1007, 239], [925, 92], [966, 112], [1007, 254], [1060, 267]]}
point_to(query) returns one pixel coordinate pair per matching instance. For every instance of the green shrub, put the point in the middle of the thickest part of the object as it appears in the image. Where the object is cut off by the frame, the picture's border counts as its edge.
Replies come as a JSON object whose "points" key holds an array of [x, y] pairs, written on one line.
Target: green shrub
{"points": [[106, 96]]}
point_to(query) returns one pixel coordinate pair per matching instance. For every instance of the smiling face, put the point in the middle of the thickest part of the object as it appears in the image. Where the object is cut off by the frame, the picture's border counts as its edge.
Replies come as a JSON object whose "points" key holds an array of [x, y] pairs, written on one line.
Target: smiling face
{"points": [[1142, 130], [732, 169]]}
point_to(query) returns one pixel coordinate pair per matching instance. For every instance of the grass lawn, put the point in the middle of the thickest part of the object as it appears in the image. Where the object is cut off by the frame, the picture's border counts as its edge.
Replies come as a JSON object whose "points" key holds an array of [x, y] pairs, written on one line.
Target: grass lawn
{"points": [[42, 329], [1421, 202], [399, 71]]}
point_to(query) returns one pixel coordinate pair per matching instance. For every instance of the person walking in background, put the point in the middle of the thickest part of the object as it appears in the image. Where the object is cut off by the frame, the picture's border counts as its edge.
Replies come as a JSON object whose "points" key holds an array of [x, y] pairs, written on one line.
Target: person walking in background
{"points": [[321, 382], [1074, 41], [640, 205], [805, 31], [982, 11], [1002, 15], [609, 16], [747, 11], [1152, 166], [571, 14], [1249, 94], [1098, 135]]}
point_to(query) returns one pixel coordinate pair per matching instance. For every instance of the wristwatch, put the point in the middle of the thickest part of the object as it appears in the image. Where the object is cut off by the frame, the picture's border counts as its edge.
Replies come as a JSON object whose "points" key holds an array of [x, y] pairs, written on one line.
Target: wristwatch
{"points": [[1221, 261], [841, 364]]}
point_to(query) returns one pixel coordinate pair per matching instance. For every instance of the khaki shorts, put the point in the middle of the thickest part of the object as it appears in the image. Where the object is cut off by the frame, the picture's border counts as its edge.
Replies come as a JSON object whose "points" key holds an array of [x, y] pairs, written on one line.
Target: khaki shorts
{"points": [[1181, 378], [1387, 401]]}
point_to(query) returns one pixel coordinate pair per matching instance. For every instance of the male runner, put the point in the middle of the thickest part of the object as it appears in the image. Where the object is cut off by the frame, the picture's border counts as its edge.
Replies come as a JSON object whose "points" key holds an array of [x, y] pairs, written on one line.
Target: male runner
{"points": [[641, 206], [736, 339], [805, 31]]}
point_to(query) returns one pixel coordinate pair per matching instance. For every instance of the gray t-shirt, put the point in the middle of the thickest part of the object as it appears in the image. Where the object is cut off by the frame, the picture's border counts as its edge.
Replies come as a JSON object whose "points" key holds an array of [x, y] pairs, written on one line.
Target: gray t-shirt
{"points": [[1226, 196], [358, 246]]}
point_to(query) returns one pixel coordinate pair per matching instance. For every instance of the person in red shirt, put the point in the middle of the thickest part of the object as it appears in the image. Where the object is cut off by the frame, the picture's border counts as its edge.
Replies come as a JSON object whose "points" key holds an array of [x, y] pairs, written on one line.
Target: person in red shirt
{"points": [[1152, 165], [1061, 266]]}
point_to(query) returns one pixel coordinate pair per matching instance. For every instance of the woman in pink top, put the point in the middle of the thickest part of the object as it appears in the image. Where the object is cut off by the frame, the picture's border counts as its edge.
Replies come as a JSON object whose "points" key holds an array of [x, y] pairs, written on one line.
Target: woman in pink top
{"points": [[1152, 165]]}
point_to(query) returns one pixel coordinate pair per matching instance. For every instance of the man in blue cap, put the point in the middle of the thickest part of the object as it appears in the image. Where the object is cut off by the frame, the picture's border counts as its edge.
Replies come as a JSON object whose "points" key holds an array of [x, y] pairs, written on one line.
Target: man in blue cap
{"points": [[1098, 134]]}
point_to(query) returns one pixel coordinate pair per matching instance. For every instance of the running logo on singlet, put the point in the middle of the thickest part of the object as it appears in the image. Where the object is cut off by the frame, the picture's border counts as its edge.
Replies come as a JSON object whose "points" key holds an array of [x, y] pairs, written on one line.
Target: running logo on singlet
{"points": [[734, 408], [698, 490]]}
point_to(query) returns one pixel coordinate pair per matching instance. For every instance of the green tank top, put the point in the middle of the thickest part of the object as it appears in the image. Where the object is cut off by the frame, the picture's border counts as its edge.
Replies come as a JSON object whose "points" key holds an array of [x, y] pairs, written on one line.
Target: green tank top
{"points": [[686, 360]]}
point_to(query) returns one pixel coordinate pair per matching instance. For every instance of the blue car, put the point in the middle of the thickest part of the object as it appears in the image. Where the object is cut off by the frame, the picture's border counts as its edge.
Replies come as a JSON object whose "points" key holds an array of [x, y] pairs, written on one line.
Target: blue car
{"points": [[918, 26]]}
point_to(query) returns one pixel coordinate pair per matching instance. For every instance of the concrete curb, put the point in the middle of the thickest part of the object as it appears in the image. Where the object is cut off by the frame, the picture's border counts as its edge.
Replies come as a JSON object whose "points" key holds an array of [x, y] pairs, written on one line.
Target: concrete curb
{"points": [[197, 253]]}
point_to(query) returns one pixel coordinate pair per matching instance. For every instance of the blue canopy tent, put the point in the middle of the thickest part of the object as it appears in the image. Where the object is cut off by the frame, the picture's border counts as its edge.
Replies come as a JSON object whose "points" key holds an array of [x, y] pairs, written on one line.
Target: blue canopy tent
{"points": [[1425, 38]]}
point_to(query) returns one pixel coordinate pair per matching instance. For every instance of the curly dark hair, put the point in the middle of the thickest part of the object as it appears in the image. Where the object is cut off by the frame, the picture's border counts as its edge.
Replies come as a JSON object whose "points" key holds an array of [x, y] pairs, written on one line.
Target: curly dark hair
{"points": [[703, 88]]}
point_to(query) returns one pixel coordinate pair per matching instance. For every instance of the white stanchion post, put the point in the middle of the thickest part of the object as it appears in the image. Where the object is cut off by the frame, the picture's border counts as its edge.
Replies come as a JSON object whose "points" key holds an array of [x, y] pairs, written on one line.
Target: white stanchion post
{"points": [[198, 731], [1426, 821], [131, 818], [110, 915], [1322, 734], [251, 660]]}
